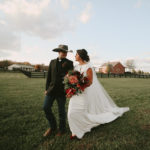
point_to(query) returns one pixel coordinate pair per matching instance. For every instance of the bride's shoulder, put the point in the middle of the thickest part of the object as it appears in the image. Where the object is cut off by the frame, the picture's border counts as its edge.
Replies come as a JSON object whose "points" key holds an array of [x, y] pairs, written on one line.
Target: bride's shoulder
{"points": [[76, 66], [88, 65], [85, 66]]}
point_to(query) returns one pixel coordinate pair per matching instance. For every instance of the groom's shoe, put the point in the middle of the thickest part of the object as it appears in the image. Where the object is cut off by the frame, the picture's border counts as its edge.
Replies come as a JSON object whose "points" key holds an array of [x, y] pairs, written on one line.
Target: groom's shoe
{"points": [[49, 132], [60, 133]]}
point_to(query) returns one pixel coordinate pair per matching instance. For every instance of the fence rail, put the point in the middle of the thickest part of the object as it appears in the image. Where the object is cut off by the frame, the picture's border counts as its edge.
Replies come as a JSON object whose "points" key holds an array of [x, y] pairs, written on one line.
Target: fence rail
{"points": [[99, 75], [34, 74]]}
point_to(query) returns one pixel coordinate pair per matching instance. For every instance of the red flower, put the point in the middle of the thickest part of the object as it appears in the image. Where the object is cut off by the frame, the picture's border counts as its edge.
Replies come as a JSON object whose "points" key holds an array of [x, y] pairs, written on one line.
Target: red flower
{"points": [[86, 80], [73, 79], [78, 85], [83, 87], [70, 92]]}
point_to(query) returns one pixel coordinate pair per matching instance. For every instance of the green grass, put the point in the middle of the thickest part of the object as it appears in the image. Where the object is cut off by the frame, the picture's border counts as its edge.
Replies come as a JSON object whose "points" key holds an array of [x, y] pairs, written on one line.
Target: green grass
{"points": [[22, 120]]}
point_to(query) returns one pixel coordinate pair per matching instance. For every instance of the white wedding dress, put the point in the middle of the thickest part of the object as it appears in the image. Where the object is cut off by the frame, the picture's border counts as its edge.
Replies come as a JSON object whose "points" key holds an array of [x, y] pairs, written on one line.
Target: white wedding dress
{"points": [[91, 108]]}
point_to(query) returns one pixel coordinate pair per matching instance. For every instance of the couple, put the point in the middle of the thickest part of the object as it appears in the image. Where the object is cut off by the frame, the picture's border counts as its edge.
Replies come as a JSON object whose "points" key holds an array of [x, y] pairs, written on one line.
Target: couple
{"points": [[87, 110]]}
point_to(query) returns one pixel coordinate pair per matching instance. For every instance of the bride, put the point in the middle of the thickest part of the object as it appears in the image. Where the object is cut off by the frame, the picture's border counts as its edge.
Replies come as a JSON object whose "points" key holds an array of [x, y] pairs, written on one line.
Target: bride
{"points": [[94, 106]]}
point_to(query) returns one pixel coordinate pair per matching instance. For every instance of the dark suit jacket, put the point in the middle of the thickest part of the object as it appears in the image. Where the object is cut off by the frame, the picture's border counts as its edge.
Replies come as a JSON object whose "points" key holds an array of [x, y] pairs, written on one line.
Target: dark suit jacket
{"points": [[53, 86]]}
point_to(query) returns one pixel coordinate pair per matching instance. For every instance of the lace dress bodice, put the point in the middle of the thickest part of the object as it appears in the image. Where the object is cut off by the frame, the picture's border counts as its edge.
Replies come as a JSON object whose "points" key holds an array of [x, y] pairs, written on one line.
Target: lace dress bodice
{"points": [[82, 68]]}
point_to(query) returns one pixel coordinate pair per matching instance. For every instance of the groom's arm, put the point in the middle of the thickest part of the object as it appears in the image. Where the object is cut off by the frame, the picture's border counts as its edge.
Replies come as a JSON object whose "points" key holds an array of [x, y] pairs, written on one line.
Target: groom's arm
{"points": [[48, 77], [71, 65]]}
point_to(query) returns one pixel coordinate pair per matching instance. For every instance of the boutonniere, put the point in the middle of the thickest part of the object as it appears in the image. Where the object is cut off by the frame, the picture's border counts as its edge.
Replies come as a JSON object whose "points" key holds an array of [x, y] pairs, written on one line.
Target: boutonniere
{"points": [[64, 64]]}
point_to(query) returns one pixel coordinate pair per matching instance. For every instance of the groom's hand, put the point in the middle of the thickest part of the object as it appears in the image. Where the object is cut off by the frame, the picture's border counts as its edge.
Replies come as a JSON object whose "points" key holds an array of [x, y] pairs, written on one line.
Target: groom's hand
{"points": [[45, 92]]}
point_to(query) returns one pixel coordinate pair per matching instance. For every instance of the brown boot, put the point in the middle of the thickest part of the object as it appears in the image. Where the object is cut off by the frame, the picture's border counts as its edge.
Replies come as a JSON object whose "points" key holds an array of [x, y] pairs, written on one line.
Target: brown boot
{"points": [[48, 132], [60, 133]]}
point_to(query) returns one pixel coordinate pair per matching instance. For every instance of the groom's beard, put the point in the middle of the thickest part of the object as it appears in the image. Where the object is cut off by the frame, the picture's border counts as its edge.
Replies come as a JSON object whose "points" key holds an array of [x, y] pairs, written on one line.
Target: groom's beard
{"points": [[62, 57]]}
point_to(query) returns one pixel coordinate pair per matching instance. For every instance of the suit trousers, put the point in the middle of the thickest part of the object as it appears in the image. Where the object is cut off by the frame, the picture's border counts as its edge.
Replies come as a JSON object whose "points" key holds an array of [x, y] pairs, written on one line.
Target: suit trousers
{"points": [[48, 103]]}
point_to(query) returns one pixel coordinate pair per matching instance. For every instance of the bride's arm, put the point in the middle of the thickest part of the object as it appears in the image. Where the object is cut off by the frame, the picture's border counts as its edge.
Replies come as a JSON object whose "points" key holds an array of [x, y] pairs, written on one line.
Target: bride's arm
{"points": [[90, 76]]}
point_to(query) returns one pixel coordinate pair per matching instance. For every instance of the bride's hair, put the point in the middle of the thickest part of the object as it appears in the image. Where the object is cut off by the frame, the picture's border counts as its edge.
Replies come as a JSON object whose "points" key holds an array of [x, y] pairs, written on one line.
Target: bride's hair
{"points": [[83, 54]]}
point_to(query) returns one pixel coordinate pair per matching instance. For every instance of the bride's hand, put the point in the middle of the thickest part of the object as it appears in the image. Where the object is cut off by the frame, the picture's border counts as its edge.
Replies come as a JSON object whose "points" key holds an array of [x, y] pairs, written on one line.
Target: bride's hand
{"points": [[45, 92], [68, 95]]}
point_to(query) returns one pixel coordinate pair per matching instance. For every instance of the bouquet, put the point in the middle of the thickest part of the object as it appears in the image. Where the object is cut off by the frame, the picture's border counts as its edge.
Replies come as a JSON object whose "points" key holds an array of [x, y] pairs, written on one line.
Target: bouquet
{"points": [[75, 83]]}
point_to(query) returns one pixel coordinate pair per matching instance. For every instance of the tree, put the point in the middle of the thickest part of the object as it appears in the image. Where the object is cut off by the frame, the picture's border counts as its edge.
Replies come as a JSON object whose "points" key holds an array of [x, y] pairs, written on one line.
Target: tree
{"points": [[142, 72], [130, 64], [26, 63], [147, 73], [134, 71], [5, 63], [139, 72], [109, 68], [37, 67], [45, 68]]}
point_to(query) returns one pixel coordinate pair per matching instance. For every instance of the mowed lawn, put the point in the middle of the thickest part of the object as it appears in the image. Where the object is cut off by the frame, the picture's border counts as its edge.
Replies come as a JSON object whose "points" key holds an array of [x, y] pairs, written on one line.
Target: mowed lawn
{"points": [[22, 120]]}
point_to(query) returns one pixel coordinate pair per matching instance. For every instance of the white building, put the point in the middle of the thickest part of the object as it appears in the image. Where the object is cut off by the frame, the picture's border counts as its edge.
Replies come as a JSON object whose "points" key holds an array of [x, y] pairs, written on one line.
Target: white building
{"points": [[22, 67]]}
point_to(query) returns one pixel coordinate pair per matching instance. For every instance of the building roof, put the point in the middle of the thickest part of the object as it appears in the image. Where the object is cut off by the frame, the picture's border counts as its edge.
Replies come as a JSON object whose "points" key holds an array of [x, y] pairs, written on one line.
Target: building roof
{"points": [[20, 65], [112, 63]]}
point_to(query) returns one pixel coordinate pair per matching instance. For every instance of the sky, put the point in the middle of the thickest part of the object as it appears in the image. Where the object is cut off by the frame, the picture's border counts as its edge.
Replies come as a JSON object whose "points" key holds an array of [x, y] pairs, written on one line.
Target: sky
{"points": [[110, 30]]}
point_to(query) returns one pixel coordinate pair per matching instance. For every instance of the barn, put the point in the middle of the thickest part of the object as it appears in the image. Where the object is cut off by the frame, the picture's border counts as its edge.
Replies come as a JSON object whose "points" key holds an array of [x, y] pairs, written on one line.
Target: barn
{"points": [[115, 68]]}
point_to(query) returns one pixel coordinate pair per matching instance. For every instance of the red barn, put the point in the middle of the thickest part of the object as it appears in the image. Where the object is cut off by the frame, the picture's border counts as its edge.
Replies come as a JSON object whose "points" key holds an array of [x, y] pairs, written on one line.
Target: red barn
{"points": [[115, 67]]}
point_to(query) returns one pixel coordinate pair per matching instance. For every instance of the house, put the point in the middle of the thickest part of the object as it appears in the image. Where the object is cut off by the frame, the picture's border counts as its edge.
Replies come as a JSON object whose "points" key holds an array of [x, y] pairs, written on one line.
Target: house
{"points": [[112, 67], [21, 67]]}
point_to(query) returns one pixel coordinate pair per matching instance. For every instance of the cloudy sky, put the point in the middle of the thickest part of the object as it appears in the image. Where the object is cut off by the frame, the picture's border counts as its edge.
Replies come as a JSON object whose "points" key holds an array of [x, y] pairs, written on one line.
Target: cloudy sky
{"points": [[110, 30]]}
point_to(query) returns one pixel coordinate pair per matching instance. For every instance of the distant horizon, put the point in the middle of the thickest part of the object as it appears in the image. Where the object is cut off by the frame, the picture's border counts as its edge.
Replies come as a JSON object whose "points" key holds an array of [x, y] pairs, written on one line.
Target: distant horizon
{"points": [[75, 63]]}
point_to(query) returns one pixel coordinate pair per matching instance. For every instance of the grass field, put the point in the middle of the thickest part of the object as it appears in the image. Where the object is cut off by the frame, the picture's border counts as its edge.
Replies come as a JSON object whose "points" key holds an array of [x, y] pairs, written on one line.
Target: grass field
{"points": [[22, 120]]}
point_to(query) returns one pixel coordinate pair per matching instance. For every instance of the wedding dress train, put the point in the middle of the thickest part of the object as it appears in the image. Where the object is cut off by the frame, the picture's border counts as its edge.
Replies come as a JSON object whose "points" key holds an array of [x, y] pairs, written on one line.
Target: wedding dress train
{"points": [[91, 108]]}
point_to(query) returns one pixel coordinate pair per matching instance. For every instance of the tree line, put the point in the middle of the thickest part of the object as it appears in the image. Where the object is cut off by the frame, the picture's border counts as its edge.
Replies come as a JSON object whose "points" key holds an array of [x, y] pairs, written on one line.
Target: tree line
{"points": [[130, 64]]}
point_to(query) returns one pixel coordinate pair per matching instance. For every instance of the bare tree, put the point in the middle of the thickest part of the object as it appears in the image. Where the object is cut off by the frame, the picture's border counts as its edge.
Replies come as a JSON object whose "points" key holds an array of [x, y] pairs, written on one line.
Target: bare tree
{"points": [[130, 64], [139, 71], [134, 71], [5, 63], [109, 68]]}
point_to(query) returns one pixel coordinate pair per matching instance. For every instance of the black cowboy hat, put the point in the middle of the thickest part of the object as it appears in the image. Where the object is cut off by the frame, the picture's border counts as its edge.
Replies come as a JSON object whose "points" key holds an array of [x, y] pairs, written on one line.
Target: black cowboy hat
{"points": [[62, 48]]}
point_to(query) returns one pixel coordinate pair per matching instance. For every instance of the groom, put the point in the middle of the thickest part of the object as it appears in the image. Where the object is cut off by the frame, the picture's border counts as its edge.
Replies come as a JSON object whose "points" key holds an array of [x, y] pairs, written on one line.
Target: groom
{"points": [[58, 68]]}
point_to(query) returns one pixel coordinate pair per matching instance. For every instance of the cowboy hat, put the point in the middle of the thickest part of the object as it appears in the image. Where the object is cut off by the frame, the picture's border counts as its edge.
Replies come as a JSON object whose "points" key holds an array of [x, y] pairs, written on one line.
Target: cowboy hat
{"points": [[62, 48]]}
